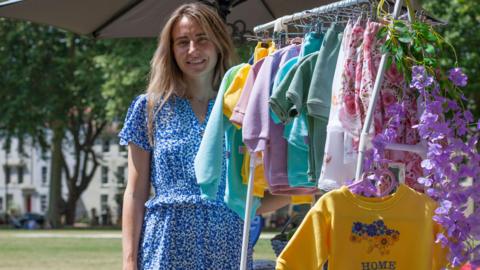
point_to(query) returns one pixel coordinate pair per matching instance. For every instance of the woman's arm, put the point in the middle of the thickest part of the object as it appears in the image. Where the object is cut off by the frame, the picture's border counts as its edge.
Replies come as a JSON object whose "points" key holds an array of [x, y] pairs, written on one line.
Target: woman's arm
{"points": [[272, 202], [136, 194]]}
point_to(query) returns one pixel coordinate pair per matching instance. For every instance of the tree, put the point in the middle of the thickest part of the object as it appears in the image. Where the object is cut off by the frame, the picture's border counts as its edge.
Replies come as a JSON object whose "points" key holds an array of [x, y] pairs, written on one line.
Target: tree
{"points": [[32, 83], [123, 70], [59, 82]]}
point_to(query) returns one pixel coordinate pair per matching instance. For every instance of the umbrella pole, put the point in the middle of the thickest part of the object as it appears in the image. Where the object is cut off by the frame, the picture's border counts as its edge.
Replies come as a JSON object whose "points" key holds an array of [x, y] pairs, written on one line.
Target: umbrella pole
{"points": [[373, 99], [248, 210]]}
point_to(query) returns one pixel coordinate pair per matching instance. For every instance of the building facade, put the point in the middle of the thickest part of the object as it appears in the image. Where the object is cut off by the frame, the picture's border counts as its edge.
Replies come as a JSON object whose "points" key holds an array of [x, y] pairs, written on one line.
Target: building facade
{"points": [[25, 178]]}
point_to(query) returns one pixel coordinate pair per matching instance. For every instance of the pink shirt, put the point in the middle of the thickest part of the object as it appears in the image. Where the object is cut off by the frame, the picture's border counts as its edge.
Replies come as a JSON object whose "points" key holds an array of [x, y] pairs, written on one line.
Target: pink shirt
{"points": [[239, 110]]}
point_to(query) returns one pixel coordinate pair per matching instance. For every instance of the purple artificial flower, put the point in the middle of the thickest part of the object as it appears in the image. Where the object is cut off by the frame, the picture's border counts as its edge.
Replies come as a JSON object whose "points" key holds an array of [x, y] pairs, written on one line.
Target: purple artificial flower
{"points": [[425, 181], [444, 208], [431, 192], [420, 78], [427, 164], [478, 125], [435, 148], [429, 118], [390, 134], [435, 107], [457, 77], [468, 116], [441, 239], [452, 105]]}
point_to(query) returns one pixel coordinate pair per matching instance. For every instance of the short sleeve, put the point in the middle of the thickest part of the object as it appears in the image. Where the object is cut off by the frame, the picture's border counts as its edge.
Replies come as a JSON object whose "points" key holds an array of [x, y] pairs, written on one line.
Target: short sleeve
{"points": [[135, 126], [309, 246]]}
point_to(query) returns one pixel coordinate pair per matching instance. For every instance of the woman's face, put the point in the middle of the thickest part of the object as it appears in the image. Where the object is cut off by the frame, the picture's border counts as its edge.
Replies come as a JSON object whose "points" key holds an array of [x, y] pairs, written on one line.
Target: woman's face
{"points": [[194, 52]]}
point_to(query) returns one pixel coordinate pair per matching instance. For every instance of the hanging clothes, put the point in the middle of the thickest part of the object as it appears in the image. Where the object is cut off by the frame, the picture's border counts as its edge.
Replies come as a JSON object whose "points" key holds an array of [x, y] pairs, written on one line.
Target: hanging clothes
{"points": [[220, 138], [230, 99], [355, 232], [335, 169], [362, 58], [296, 131], [260, 133], [310, 86], [239, 110], [393, 88]]}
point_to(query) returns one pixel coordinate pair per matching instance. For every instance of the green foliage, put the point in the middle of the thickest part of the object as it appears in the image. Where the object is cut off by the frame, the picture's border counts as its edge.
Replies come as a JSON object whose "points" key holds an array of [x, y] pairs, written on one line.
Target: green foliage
{"points": [[463, 32], [125, 70], [48, 75], [52, 79], [418, 44]]}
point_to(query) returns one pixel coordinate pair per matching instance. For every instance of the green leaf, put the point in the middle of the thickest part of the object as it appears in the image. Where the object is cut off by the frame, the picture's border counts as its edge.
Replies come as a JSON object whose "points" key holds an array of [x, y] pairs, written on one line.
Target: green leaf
{"points": [[387, 47], [399, 55], [430, 61], [430, 49], [382, 33], [405, 39], [389, 61], [417, 47], [400, 27], [430, 36], [384, 49]]}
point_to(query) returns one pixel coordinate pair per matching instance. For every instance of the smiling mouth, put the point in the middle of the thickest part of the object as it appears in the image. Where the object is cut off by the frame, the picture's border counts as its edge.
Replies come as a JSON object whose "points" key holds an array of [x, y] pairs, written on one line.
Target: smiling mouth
{"points": [[196, 62]]}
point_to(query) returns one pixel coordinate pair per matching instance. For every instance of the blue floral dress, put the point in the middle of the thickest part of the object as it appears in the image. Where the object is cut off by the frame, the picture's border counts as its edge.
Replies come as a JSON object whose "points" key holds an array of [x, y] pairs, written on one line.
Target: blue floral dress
{"points": [[180, 229]]}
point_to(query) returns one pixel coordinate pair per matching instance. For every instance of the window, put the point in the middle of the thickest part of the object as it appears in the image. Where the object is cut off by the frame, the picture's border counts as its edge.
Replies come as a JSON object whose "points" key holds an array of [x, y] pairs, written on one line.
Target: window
{"points": [[103, 202], [9, 201], [43, 153], [43, 203], [20, 147], [7, 174], [20, 174], [106, 145], [44, 175], [121, 175], [104, 175]]}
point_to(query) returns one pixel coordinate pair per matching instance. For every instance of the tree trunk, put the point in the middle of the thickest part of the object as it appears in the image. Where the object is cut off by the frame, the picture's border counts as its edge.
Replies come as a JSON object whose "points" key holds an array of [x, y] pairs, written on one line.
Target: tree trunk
{"points": [[70, 211], [55, 198]]}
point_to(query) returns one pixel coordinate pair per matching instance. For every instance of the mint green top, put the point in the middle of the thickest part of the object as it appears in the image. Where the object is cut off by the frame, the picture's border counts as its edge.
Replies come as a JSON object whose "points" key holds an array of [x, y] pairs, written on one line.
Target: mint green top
{"points": [[221, 141]]}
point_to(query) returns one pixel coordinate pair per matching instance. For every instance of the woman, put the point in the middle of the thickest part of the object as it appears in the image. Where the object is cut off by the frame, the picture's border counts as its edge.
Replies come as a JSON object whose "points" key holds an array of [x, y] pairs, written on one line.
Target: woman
{"points": [[176, 229]]}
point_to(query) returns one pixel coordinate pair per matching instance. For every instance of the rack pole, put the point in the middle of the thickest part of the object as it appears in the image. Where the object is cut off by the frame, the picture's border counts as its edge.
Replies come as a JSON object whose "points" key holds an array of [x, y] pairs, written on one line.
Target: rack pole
{"points": [[373, 99], [248, 210]]}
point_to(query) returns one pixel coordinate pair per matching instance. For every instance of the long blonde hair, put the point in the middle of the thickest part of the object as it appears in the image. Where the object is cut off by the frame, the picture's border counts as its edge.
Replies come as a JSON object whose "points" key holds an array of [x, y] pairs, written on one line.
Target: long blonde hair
{"points": [[166, 78]]}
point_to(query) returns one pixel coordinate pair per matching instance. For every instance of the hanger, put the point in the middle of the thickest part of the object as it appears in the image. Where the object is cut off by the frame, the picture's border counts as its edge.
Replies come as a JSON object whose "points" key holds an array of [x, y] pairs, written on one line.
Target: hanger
{"points": [[379, 184], [363, 186], [387, 183]]}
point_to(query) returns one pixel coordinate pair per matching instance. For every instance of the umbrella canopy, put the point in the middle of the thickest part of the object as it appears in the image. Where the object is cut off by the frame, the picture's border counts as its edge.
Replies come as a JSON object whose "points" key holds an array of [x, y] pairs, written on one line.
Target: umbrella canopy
{"points": [[139, 18]]}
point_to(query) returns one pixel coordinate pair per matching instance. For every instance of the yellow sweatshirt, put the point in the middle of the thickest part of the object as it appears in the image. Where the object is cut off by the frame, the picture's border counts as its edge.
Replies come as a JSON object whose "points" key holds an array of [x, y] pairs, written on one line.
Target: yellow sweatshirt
{"points": [[358, 233]]}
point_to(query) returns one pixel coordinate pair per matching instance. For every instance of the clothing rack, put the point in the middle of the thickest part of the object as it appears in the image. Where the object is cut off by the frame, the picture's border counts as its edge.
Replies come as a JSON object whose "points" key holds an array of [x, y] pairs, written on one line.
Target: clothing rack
{"points": [[368, 118], [309, 13]]}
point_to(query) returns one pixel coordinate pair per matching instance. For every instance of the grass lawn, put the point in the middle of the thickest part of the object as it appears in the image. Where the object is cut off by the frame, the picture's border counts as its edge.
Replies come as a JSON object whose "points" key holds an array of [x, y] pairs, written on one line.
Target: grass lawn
{"points": [[73, 250]]}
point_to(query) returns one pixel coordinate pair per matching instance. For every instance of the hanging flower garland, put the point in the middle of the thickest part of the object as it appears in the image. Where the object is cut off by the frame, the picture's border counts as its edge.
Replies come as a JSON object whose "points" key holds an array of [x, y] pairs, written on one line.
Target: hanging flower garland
{"points": [[448, 130]]}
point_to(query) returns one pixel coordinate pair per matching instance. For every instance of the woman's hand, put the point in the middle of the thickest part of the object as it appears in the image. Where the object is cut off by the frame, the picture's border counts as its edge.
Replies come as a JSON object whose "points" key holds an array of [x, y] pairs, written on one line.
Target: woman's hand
{"points": [[272, 202]]}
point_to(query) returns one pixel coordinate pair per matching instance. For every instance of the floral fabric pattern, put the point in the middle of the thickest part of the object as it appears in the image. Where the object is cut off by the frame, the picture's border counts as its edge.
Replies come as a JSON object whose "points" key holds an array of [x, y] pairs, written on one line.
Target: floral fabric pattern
{"points": [[378, 235], [361, 65], [180, 229]]}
